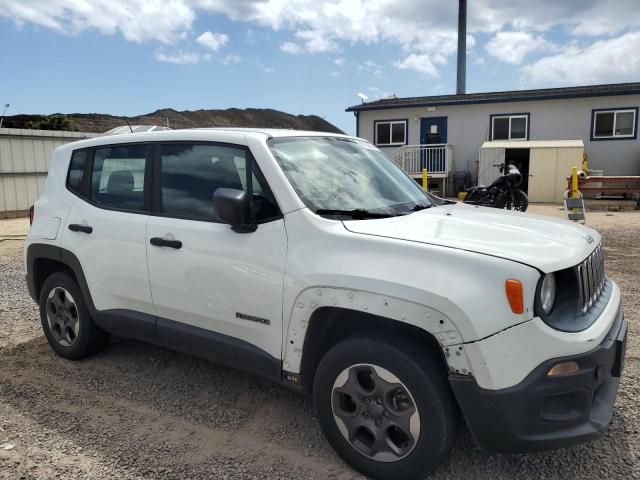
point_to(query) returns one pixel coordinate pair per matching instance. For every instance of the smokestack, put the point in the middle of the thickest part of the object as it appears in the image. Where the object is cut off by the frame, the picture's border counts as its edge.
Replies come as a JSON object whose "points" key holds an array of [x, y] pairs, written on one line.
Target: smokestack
{"points": [[461, 87]]}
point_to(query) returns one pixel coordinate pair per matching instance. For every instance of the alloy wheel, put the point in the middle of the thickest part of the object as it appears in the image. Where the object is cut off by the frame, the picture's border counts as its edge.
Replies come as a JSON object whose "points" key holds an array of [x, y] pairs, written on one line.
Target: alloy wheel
{"points": [[62, 316], [375, 412]]}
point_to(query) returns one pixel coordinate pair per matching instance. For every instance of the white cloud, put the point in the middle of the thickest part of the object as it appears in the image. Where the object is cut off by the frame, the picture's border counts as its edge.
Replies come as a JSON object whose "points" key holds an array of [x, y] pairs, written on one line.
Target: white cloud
{"points": [[316, 42], [370, 66], [340, 62], [512, 47], [137, 20], [182, 58], [265, 68], [611, 60], [334, 73], [418, 63], [231, 59], [424, 30], [213, 41], [291, 48]]}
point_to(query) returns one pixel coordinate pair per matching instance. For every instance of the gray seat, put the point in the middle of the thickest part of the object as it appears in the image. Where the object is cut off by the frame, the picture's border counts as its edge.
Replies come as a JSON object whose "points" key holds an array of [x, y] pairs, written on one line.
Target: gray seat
{"points": [[120, 190]]}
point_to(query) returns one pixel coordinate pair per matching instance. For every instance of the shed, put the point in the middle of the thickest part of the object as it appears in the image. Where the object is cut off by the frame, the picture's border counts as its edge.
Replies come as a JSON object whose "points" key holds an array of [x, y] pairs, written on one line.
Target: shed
{"points": [[24, 162], [544, 164]]}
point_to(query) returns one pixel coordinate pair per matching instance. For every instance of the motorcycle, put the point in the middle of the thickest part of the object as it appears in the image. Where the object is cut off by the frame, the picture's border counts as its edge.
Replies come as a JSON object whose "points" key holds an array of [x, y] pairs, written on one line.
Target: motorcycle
{"points": [[502, 193]]}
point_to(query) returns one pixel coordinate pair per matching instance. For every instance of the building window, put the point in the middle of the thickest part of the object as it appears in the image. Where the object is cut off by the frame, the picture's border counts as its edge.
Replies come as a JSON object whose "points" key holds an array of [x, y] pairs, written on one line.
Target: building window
{"points": [[609, 124], [391, 133], [510, 127]]}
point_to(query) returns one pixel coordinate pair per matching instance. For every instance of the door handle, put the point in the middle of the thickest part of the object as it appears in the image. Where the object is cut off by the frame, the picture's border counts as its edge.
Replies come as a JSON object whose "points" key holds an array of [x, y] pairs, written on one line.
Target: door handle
{"points": [[163, 242], [75, 227]]}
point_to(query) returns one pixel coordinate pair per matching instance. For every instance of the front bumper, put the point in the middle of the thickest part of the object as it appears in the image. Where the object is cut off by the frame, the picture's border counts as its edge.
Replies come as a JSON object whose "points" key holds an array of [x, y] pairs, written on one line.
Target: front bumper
{"points": [[543, 412]]}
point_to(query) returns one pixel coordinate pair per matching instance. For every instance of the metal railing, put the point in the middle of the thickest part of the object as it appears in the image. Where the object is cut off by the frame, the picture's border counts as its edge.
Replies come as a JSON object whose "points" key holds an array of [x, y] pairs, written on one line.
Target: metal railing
{"points": [[436, 158]]}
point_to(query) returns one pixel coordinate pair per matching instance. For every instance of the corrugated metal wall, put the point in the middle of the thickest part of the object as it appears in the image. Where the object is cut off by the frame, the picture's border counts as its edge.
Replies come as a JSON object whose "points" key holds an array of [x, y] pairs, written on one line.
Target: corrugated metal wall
{"points": [[24, 162]]}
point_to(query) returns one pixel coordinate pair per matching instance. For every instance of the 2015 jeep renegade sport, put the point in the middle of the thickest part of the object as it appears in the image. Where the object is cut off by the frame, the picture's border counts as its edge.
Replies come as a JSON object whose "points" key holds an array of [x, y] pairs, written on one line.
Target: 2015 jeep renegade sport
{"points": [[313, 260]]}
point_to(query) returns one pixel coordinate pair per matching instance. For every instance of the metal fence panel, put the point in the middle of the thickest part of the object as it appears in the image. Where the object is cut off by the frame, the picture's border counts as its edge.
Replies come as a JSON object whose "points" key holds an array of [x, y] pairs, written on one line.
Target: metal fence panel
{"points": [[24, 162]]}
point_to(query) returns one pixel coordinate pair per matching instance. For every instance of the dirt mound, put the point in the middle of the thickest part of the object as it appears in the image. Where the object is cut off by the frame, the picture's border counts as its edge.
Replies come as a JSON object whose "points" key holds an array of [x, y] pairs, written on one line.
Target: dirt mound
{"points": [[232, 117]]}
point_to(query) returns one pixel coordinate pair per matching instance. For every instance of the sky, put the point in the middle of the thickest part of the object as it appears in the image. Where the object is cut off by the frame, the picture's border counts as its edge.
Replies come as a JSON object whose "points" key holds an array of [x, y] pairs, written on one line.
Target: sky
{"points": [[130, 57]]}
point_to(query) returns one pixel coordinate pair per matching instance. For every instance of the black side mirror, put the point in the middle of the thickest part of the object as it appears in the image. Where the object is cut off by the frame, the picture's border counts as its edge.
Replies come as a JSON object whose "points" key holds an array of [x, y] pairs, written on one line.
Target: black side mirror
{"points": [[233, 206]]}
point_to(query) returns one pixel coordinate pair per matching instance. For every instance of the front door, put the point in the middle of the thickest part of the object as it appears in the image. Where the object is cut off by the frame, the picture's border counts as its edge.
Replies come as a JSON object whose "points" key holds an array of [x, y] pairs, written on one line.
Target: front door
{"points": [[214, 280], [433, 130]]}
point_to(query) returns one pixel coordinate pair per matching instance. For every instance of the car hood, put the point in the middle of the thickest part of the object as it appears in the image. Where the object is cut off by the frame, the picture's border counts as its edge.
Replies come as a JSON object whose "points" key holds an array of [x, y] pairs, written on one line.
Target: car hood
{"points": [[542, 242]]}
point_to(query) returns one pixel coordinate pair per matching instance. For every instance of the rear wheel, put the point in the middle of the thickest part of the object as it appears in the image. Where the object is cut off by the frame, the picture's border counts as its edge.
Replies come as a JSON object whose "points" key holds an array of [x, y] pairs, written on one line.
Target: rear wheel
{"points": [[66, 321], [387, 411]]}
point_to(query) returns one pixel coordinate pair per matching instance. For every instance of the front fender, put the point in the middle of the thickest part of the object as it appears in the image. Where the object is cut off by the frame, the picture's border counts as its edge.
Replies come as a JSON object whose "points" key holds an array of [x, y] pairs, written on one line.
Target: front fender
{"points": [[427, 318]]}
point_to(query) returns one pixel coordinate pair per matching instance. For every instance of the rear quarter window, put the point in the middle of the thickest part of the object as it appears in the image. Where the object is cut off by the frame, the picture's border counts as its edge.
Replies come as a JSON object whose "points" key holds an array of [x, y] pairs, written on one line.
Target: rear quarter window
{"points": [[75, 177]]}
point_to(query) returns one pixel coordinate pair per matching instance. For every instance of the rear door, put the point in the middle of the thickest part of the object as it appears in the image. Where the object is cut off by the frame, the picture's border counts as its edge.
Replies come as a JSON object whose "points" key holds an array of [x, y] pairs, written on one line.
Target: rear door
{"points": [[214, 279], [106, 227]]}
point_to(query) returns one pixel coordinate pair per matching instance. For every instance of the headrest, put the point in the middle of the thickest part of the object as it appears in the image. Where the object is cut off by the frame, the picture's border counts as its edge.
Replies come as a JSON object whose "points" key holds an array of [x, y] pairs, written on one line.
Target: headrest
{"points": [[120, 183]]}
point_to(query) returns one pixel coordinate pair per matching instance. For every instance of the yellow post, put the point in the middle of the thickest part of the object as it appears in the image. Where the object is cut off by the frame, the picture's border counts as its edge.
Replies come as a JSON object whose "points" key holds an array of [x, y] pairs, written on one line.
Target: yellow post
{"points": [[574, 186], [425, 184]]}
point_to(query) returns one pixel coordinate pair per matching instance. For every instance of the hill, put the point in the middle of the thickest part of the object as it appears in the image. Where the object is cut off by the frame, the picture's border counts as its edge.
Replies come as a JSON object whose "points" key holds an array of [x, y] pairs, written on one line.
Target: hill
{"points": [[232, 117]]}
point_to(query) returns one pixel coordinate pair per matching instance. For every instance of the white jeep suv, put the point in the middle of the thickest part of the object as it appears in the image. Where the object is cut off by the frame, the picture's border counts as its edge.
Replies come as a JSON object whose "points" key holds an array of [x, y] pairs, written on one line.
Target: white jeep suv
{"points": [[311, 259]]}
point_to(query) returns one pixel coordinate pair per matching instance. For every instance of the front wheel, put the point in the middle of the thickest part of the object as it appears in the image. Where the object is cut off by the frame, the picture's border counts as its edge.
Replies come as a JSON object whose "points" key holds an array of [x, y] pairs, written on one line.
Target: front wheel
{"points": [[519, 201], [387, 411], [471, 197]]}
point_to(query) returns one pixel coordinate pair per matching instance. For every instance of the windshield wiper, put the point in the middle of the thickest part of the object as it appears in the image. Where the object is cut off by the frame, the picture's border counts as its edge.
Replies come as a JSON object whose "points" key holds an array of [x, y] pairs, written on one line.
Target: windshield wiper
{"points": [[416, 208], [358, 213]]}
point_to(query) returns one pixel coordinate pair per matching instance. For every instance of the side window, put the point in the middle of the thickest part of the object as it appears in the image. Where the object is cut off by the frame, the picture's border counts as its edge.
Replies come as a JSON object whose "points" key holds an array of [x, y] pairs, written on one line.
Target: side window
{"points": [[608, 124], [510, 127], [118, 174], [391, 133], [191, 173], [75, 177]]}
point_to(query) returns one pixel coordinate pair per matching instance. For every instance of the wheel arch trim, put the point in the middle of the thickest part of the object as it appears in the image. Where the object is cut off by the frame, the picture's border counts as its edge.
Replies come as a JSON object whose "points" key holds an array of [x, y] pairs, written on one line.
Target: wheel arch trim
{"points": [[39, 251], [425, 318]]}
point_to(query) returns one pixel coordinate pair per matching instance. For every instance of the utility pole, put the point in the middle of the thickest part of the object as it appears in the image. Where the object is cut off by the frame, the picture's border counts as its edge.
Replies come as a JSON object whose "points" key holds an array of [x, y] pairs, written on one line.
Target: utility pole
{"points": [[461, 87], [6, 105]]}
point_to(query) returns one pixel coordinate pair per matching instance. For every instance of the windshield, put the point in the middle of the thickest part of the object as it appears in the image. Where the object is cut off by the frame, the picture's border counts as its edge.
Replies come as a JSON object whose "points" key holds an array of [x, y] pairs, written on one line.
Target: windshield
{"points": [[343, 174]]}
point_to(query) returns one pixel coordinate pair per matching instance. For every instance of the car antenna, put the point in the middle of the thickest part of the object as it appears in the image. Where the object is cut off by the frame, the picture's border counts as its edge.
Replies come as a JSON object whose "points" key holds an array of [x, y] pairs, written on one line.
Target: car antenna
{"points": [[128, 124]]}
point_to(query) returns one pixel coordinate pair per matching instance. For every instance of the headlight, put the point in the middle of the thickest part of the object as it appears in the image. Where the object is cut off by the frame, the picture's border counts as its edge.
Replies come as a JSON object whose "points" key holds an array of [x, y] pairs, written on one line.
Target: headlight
{"points": [[548, 293]]}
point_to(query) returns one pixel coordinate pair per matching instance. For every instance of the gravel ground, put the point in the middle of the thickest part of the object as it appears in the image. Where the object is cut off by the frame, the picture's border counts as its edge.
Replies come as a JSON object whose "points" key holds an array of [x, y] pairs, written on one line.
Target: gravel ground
{"points": [[137, 411]]}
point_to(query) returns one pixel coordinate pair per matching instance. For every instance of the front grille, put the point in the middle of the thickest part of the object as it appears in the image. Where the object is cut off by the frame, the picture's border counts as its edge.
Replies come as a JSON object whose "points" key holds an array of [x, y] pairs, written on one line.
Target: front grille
{"points": [[591, 279]]}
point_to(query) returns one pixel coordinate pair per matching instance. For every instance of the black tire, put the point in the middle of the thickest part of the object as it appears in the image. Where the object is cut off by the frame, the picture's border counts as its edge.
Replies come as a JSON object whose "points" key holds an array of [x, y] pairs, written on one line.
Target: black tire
{"points": [[89, 338], [520, 203], [425, 378]]}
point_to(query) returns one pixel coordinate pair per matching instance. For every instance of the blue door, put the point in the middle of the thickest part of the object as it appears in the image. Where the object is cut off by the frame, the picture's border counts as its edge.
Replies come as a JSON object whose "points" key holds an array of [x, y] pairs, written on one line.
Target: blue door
{"points": [[433, 130]]}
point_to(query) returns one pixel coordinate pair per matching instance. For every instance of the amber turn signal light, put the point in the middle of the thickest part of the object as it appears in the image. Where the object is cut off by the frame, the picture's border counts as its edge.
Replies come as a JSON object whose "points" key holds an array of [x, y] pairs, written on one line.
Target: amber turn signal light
{"points": [[514, 295], [564, 368]]}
